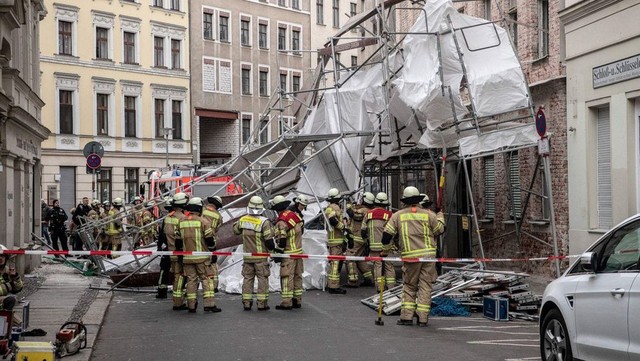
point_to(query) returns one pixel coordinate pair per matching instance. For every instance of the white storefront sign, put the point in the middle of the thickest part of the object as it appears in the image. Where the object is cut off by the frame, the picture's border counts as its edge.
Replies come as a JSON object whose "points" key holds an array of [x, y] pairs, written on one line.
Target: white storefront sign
{"points": [[616, 72]]}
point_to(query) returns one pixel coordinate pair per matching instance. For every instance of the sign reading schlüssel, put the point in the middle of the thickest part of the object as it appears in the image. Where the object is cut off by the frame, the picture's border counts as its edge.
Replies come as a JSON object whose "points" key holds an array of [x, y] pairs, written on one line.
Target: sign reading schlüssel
{"points": [[617, 71]]}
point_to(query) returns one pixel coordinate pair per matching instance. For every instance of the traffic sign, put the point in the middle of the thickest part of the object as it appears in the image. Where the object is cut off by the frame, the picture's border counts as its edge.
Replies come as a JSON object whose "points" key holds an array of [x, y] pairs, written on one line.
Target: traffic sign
{"points": [[93, 148], [94, 161], [541, 123]]}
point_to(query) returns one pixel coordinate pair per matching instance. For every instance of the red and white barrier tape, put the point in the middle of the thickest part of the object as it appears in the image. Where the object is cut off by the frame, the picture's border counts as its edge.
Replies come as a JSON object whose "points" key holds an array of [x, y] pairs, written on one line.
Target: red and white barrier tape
{"points": [[280, 255]]}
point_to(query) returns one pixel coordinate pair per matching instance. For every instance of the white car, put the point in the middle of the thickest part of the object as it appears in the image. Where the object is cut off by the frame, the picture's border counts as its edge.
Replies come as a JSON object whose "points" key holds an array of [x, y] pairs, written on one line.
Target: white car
{"points": [[592, 312]]}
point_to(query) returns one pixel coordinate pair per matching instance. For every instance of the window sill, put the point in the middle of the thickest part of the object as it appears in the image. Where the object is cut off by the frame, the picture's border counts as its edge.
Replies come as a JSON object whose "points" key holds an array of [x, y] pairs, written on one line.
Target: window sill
{"points": [[265, 49], [225, 42], [104, 60], [160, 67], [509, 221], [208, 39], [485, 220], [246, 94], [538, 222], [131, 64], [249, 46], [540, 59], [321, 24], [68, 56]]}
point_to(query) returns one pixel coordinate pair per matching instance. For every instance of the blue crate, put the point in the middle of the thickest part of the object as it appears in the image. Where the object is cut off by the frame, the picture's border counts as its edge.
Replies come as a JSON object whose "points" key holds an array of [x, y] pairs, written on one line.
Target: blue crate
{"points": [[495, 308]]}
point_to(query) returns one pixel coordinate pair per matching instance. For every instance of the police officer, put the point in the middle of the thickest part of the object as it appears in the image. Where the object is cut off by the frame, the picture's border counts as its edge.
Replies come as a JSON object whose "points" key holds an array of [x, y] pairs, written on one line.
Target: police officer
{"points": [[336, 239], [360, 247], [114, 227], [211, 213], [288, 230], [372, 229], [57, 218], [170, 228], [416, 228], [195, 235], [257, 237]]}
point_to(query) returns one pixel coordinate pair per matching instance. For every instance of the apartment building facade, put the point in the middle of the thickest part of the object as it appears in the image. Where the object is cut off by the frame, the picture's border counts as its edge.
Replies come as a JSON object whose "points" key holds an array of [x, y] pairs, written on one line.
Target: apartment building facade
{"points": [[21, 128], [245, 53], [603, 115], [116, 73]]}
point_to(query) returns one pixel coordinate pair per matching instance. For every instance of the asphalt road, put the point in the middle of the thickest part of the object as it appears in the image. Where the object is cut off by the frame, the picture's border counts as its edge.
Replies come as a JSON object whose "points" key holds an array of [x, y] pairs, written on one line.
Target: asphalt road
{"points": [[328, 327]]}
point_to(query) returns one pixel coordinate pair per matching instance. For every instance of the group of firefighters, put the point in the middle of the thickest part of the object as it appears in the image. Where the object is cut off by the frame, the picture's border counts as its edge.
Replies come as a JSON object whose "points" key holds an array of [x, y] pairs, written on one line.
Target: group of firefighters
{"points": [[370, 229]]}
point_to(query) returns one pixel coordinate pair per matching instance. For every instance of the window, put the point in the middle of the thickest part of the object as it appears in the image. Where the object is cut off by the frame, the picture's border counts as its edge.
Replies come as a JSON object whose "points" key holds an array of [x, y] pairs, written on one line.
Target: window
{"points": [[102, 43], [295, 41], [104, 184], [515, 198], [264, 83], [336, 13], [175, 5], [353, 9], [283, 82], [158, 51], [159, 119], [320, 12], [489, 188], [129, 40], [295, 4], [224, 28], [513, 14], [603, 164], [244, 32], [158, 3], [282, 2], [131, 183], [246, 81], [130, 116], [66, 111], [65, 38], [175, 54], [621, 251], [207, 26], [295, 83], [543, 28], [246, 128], [263, 31], [282, 38], [176, 118], [354, 61], [102, 113], [264, 130]]}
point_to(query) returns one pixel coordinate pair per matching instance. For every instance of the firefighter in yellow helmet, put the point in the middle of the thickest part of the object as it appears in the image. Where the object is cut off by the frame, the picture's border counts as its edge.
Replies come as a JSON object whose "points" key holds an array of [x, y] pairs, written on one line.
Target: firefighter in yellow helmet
{"points": [[257, 237], [211, 213], [195, 235], [336, 239], [357, 214], [170, 228], [288, 230], [372, 229], [416, 228]]}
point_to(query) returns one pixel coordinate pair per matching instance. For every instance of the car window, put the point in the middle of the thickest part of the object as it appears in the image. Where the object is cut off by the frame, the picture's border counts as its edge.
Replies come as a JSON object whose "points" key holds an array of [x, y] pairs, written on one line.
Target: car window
{"points": [[622, 251]]}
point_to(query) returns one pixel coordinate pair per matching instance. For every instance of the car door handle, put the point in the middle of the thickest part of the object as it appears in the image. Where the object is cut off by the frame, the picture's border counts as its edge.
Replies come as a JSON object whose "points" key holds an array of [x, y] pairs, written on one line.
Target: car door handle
{"points": [[617, 292]]}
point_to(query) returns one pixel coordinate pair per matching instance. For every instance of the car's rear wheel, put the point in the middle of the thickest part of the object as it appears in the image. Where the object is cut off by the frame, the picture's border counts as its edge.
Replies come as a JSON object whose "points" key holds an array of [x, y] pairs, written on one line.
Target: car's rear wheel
{"points": [[554, 338]]}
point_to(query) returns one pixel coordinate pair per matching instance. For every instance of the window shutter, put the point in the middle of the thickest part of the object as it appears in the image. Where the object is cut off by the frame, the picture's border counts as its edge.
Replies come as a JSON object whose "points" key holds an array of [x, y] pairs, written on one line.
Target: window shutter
{"points": [[514, 180], [489, 188], [603, 150]]}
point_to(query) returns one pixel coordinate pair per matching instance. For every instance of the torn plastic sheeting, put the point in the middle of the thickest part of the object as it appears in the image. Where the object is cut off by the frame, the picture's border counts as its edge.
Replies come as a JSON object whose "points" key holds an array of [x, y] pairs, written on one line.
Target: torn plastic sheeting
{"points": [[313, 242], [503, 138]]}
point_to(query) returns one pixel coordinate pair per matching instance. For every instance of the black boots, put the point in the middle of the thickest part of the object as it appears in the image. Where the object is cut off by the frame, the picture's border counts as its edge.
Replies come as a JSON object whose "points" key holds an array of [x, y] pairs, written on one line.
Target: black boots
{"points": [[296, 304], [367, 282], [213, 309], [402, 322], [162, 293], [337, 291], [181, 307], [284, 308]]}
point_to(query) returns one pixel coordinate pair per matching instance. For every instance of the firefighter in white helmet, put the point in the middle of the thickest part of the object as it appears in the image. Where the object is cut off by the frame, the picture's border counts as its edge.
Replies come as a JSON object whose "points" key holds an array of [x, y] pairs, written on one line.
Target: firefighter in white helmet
{"points": [[211, 213], [360, 247], [170, 228], [195, 235], [336, 238], [114, 227], [288, 230], [416, 228], [384, 273], [257, 237]]}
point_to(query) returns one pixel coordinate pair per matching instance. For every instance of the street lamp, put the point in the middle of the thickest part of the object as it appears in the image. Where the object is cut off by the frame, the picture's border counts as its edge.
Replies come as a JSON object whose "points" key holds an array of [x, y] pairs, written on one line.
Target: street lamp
{"points": [[167, 133]]}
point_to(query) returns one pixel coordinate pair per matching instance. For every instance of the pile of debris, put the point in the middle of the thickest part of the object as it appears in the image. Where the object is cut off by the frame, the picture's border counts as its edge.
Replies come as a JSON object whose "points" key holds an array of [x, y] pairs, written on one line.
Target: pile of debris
{"points": [[469, 287]]}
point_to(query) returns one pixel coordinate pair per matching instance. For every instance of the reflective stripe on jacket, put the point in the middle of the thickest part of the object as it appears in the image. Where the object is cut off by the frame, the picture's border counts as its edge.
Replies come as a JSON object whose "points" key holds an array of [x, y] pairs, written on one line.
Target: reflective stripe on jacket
{"points": [[416, 228], [374, 221], [254, 230], [334, 236]]}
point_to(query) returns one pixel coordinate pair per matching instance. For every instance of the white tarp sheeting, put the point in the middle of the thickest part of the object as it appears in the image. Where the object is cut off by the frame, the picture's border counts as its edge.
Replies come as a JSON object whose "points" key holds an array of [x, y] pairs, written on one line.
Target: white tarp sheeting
{"points": [[502, 139]]}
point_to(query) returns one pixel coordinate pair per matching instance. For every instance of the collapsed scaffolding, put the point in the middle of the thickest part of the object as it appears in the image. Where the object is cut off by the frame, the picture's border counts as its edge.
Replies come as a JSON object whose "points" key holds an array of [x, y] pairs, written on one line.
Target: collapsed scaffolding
{"points": [[449, 90]]}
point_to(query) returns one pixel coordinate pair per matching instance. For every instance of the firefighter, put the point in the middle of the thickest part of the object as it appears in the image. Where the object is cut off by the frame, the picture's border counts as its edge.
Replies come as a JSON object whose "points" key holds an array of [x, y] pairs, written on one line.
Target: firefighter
{"points": [[162, 245], [57, 226], [371, 231], [195, 235], [288, 235], [299, 204], [211, 213], [416, 228], [170, 228], [257, 237], [11, 282], [114, 227], [360, 247], [102, 235], [337, 236], [135, 219], [147, 232]]}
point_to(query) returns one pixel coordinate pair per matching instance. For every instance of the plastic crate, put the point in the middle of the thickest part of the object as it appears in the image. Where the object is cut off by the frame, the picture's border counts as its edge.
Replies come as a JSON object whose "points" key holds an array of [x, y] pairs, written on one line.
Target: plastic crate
{"points": [[495, 308]]}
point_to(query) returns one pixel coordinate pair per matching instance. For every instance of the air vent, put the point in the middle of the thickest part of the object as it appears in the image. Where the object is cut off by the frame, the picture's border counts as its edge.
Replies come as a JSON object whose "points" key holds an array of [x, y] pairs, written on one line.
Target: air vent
{"points": [[570, 301]]}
